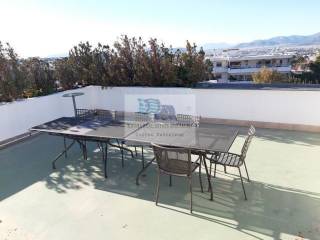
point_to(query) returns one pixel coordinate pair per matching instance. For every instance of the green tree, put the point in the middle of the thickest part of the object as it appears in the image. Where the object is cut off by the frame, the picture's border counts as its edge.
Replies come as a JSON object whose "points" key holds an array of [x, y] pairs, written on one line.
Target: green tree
{"points": [[80, 60], [64, 73], [266, 75], [142, 64], [11, 78], [191, 66], [124, 64], [130, 62], [39, 77], [315, 68]]}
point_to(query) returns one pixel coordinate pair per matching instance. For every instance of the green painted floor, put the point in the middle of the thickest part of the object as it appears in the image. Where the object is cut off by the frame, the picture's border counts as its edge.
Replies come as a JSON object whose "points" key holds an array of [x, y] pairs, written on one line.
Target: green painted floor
{"points": [[76, 202]]}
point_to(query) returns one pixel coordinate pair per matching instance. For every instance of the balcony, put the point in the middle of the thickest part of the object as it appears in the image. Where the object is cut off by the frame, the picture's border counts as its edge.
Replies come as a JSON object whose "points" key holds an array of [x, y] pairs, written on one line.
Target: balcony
{"points": [[257, 68], [220, 70], [250, 69]]}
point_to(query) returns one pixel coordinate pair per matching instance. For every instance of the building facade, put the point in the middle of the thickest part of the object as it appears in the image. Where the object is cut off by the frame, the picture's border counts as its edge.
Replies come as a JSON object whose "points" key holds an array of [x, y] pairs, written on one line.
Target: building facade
{"points": [[241, 68]]}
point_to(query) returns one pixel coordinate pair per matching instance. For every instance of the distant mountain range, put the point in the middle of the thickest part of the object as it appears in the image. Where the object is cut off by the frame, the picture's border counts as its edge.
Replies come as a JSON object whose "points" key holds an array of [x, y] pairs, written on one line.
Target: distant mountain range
{"points": [[294, 40]]}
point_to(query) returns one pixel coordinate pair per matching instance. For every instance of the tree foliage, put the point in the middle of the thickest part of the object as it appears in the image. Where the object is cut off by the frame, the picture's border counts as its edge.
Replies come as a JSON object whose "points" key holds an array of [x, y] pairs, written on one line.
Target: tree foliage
{"points": [[315, 68], [310, 70], [266, 75], [129, 62], [132, 62], [23, 77], [12, 81]]}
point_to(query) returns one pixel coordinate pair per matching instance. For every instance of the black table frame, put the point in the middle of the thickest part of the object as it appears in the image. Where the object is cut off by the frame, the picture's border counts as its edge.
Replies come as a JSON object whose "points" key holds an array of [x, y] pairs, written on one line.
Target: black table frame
{"points": [[103, 143]]}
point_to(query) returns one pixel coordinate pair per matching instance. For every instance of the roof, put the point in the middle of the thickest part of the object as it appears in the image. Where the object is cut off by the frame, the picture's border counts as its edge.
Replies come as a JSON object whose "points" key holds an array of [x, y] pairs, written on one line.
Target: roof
{"points": [[256, 86], [250, 54], [251, 57]]}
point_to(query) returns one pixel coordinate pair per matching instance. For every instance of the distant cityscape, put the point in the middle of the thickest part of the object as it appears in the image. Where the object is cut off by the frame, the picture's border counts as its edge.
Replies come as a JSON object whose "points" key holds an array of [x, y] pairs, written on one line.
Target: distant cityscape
{"points": [[239, 62], [238, 65]]}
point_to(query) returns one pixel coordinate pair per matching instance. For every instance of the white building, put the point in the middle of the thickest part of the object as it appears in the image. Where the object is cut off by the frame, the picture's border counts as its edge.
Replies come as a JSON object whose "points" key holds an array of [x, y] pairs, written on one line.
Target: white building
{"points": [[229, 68]]}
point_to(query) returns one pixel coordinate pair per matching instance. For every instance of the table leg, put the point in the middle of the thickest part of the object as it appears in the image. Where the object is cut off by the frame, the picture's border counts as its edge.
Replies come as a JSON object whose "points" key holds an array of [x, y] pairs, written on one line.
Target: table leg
{"points": [[143, 169], [121, 147], [208, 176], [83, 149], [62, 153], [65, 147], [105, 161], [142, 156]]}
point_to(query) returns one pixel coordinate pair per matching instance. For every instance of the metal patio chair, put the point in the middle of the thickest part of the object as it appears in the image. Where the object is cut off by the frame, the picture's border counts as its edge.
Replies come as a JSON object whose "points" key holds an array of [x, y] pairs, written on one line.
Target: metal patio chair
{"points": [[124, 144], [85, 115], [187, 120], [175, 162], [232, 159]]}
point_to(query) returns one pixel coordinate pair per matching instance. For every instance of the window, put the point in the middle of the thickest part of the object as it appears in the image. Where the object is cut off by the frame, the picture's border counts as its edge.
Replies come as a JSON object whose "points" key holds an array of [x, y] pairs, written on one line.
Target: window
{"points": [[235, 64]]}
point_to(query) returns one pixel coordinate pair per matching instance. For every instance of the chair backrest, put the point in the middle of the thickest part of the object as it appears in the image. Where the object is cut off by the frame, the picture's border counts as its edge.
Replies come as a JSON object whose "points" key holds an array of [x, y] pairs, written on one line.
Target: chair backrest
{"points": [[104, 114], [168, 159], [85, 113], [119, 115], [167, 113], [132, 116], [247, 142], [188, 120], [142, 117]]}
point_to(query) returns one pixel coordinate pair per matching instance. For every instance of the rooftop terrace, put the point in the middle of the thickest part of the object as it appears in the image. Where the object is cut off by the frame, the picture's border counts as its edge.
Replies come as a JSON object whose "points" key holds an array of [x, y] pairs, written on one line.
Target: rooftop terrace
{"points": [[77, 202]]}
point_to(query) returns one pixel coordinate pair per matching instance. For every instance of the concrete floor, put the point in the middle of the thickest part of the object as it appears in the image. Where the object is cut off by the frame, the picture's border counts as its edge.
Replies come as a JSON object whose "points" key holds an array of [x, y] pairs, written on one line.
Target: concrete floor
{"points": [[76, 202]]}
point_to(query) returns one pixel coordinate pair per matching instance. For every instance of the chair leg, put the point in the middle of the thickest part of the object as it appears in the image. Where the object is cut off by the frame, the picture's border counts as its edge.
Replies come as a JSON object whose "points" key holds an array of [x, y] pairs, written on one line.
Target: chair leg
{"points": [[170, 180], [244, 191], [158, 187], [135, 149], [215, 170], [200, 179], [209, 179], [245, 166], [225, 169], [190, 186]]}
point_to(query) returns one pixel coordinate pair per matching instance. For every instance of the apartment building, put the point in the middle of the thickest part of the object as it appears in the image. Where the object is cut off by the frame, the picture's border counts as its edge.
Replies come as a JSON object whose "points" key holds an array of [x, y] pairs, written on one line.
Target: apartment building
{"points": [[240, 68]]}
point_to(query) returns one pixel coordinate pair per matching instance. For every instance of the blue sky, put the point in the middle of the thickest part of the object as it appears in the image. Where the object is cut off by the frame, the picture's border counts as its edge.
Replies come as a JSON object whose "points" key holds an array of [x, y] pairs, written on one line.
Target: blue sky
{"points": [[43, 27]]}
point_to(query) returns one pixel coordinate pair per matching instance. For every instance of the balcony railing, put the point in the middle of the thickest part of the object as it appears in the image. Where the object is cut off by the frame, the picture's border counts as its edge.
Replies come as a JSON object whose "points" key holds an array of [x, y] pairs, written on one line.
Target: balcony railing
{"points": [[252, 68], [260, 66]]}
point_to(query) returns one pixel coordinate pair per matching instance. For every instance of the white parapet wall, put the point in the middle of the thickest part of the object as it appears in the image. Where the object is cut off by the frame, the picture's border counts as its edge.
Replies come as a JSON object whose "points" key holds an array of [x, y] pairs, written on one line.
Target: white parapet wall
{"points": [[19, 116], [294, 107], [274, 106]]}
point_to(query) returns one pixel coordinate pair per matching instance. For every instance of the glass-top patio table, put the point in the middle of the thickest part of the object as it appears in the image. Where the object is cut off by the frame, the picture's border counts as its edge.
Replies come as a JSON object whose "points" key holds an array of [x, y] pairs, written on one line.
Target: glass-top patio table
{"points": [[104, 128]]}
